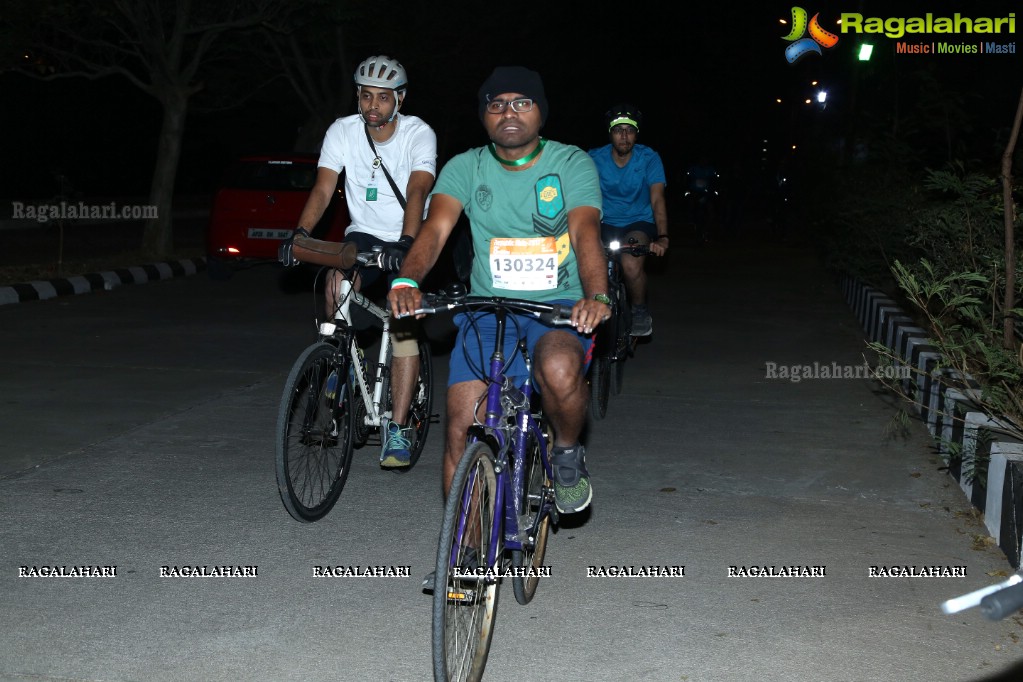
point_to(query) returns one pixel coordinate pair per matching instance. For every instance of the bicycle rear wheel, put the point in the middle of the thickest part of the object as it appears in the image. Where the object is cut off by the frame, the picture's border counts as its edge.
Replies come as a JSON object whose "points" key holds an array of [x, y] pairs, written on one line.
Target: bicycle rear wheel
{"points": [[314, 433], [464, 607], [419, 414], [534, 503]]}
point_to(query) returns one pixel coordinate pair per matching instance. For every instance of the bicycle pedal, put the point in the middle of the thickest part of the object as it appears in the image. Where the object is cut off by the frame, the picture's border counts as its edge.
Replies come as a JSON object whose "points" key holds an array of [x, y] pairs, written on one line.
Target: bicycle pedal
{"points": [[464, 596]]}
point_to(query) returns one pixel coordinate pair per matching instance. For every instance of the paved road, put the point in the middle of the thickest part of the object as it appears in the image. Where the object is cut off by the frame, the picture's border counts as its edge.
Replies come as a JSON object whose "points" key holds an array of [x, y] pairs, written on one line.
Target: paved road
{"points": [[137, 432]]}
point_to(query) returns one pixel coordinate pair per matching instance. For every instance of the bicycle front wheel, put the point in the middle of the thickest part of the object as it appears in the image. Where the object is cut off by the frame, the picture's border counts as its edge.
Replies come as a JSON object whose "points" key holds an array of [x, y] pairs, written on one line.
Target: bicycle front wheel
{"points": [[464, 605], [626, 341], [533, 504], [600, 386], [314, 433]]}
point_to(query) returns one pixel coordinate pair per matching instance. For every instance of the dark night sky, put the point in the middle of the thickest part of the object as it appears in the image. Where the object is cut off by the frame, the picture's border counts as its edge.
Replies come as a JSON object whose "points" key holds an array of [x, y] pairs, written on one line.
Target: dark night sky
{"points": [[705, 79]]}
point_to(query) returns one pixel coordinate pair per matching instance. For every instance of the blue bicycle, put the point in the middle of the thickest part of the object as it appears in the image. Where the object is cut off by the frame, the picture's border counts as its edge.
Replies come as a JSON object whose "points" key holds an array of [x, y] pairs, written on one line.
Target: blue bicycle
{"points": [[500, 506]]}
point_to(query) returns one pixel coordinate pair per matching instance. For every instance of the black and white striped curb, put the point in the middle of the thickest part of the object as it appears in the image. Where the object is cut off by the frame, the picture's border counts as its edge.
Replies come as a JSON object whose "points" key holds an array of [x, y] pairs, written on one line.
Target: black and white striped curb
{"points": [[99, 281], [951, 417]]}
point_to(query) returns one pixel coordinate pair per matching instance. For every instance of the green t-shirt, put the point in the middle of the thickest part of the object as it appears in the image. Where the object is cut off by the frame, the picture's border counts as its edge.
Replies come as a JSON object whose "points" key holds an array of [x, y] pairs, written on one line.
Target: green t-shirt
{"points": [[519, 220]]}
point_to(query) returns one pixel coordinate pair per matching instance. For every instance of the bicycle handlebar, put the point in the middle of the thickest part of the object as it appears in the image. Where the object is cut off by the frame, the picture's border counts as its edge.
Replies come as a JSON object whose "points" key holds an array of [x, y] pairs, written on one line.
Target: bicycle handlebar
{"points": [[1003, 603], [996, 601], [548, 313], [341, 255], [632, 249]]}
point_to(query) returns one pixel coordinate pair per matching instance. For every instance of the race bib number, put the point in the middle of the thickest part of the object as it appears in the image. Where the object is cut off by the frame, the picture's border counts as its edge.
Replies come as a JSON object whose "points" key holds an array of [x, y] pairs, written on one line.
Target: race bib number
{"points": [[525, 264]]}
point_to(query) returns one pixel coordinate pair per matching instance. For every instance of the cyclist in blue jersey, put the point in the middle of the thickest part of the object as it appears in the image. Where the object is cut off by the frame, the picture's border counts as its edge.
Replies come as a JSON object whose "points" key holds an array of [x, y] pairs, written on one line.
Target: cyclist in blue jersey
{"points": [[632, 182], [534, 213]]}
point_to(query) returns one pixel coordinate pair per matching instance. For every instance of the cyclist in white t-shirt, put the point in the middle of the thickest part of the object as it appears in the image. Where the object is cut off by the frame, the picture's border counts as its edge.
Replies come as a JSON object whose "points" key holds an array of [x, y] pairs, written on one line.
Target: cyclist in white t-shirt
{"points": [[390, 163]]}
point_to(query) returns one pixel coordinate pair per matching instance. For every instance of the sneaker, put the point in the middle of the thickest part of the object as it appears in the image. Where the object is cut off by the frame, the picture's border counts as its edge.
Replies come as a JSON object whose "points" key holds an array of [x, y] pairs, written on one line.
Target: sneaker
{"points": [[395, 453], [642, 324], [470, 562], [572, 491]]}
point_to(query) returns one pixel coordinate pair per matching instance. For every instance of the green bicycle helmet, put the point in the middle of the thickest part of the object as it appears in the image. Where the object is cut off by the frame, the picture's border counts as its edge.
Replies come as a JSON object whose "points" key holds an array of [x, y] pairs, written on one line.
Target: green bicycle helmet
{"points": [[624, 113]]}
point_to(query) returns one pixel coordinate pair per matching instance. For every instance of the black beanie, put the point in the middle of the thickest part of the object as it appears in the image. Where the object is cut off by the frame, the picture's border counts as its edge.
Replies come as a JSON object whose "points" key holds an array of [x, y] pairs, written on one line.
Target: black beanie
{"points": [[514, 79]]}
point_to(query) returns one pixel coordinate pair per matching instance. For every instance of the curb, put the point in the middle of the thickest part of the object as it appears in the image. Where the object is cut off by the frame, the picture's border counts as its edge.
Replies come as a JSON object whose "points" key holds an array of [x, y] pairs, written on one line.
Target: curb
{"points": [[951, 418], [40, 290]]}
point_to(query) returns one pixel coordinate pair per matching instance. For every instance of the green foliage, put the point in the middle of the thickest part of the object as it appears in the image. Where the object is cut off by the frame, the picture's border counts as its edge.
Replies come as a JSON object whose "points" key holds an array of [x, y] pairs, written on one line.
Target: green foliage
{"points": [[954, 282]]}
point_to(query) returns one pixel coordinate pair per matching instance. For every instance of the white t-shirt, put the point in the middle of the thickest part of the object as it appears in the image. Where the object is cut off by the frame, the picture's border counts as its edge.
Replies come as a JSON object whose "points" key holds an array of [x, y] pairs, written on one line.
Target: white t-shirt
{"points": [[412, 147]]}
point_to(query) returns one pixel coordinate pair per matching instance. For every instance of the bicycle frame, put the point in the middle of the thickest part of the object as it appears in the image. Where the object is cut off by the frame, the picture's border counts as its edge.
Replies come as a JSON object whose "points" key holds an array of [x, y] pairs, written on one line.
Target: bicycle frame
{"points": [[511, 441], [371, 398], [616, 336]]}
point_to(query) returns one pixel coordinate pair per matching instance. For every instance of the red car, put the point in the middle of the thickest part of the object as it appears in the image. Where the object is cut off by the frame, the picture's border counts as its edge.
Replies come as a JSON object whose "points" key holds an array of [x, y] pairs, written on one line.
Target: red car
{"points": [[258, 204]]}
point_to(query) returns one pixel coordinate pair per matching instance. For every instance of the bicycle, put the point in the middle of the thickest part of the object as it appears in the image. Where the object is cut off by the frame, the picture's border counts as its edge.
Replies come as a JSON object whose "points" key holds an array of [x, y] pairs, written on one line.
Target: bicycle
{"points": [[701, 202], [500, 507], [614, 343], [996, 601], [333, 399]]}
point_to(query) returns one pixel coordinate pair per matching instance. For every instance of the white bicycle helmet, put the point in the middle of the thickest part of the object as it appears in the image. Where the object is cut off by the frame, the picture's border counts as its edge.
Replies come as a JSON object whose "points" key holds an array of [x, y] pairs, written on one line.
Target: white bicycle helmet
{"points": [[381, 72]]}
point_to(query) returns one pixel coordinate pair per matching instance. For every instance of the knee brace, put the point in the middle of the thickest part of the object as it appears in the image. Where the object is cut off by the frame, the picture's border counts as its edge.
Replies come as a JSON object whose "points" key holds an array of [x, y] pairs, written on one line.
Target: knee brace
{"points": [[404, 341]]}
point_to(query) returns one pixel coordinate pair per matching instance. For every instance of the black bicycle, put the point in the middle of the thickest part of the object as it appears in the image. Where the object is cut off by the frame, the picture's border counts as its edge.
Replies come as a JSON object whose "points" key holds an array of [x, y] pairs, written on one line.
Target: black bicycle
{"points": [[614, 343]]}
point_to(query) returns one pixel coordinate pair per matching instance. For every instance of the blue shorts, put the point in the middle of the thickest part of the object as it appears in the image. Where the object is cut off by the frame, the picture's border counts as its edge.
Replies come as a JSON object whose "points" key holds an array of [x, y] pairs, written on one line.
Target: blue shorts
{"points": [[609, 233], [470, 361]]}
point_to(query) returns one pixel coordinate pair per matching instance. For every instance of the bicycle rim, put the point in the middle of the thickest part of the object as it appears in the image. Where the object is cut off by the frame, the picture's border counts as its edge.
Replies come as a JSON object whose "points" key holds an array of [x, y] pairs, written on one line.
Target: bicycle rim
{"points": [[532, 504], [464, 608], [314, 443]]}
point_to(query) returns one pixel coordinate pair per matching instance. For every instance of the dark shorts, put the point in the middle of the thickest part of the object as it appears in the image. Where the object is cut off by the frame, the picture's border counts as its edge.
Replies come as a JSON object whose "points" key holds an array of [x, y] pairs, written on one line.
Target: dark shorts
{"points": [[470, 357], [366, 242], [609, 233]]}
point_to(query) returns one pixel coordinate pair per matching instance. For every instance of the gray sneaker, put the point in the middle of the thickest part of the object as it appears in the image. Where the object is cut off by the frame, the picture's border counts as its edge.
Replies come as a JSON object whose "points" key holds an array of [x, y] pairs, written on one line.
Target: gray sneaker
{"points": [[642, 324], [572, 490]]}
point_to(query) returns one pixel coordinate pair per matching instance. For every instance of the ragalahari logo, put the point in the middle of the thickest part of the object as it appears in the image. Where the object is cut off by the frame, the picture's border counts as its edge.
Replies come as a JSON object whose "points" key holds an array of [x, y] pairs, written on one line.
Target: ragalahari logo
{"points": [[802, 46]]}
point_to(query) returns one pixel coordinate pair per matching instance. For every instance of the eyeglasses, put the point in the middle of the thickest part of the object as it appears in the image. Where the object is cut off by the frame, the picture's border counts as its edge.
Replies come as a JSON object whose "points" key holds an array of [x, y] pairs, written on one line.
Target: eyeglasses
{"points": [[519, 106]]}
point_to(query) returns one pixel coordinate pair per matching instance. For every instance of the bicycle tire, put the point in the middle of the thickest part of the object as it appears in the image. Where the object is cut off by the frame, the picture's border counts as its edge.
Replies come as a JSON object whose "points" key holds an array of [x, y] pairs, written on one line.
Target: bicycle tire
{"points": [[626, 341], [419, 414], [537, 487], [314, 434], [600, 386], [463, 613]]}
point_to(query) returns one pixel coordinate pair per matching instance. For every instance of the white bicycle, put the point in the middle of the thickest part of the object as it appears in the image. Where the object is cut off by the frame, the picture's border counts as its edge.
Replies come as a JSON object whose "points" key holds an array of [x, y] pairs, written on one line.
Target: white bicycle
{"points": [[334, 399]]}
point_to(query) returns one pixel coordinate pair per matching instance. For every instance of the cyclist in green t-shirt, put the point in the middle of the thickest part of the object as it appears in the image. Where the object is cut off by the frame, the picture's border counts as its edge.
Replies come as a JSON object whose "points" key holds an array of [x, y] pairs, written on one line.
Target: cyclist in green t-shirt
{"points": [[534, 208]]}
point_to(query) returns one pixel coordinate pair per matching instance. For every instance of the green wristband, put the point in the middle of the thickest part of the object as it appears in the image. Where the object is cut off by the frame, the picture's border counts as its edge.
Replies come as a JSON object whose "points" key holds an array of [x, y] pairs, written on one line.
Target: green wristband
{"points": [[400, 282]]}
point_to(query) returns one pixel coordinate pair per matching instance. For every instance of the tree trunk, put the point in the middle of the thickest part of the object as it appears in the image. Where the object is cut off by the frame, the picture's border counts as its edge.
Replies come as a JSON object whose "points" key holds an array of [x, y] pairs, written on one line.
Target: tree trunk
{"points": [[1008, 337], [158, 234]]}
